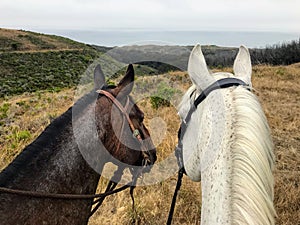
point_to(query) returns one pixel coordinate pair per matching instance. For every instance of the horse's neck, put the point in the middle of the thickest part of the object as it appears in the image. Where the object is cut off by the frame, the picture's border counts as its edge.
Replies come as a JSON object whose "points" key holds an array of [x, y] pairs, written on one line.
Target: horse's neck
{"points": [[216, 162], [216, 191], [236, 161], [52, 163]]}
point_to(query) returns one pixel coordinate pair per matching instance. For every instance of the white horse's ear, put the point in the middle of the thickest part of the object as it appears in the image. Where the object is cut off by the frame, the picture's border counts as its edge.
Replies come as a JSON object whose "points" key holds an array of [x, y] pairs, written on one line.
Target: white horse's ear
{"points": [[99, 79], [242, 65], [198, 70]]}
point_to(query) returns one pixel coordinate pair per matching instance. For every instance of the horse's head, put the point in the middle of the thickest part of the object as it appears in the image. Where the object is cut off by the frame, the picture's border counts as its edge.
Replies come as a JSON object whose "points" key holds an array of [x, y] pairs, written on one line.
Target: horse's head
{"points": [[125, 135], [207, 126], [226, 142]]}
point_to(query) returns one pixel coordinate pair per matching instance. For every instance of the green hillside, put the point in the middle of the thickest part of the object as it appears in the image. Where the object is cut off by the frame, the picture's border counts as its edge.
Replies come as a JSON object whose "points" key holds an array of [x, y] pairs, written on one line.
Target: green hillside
{"points": [[31, 61]]}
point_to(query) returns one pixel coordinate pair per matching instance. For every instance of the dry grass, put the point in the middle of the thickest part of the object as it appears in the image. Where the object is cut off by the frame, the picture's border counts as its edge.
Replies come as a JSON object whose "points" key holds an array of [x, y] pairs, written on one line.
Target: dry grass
{"points": [[278, 89], [27, 116], [279, 92]]}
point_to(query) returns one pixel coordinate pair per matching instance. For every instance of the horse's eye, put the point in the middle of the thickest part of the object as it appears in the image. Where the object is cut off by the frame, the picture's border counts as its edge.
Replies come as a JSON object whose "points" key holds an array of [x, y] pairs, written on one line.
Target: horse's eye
{"points": [[142, 117]]}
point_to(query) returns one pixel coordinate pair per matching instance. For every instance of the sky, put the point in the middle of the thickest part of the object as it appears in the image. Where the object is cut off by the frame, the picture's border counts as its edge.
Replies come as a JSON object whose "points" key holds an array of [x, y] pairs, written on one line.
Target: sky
{"points": [[208, 15]]}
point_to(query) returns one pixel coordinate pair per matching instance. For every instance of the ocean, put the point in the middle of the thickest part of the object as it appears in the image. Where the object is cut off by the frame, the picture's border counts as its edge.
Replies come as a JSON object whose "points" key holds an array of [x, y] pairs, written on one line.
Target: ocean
{"points": [[221, 38]]}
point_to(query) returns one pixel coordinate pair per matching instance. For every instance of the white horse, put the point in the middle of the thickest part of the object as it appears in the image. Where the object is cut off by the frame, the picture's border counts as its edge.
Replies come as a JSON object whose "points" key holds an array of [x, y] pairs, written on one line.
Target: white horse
{"points": [[227, 145]]}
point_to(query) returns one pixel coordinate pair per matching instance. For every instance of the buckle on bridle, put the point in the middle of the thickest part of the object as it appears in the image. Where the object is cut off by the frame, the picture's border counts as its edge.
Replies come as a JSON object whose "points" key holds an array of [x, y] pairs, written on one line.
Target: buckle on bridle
{"points": [[136, 133]]}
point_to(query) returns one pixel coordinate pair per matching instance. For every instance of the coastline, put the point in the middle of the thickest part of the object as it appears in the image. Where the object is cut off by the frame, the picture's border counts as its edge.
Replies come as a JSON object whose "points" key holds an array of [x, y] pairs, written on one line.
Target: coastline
{"points": [[111, 38]]}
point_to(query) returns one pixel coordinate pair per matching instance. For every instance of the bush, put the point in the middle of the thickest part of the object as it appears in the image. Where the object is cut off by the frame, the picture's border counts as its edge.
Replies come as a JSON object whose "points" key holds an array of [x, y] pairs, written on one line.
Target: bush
{"points": [[3, 113], [163, 96], [15, 46], [22, 135]]}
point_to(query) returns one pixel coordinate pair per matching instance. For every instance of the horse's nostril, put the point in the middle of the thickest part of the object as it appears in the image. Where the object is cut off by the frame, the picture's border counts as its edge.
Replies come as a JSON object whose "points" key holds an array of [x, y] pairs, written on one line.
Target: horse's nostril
{"points": [[154, 158], [149, 158]]}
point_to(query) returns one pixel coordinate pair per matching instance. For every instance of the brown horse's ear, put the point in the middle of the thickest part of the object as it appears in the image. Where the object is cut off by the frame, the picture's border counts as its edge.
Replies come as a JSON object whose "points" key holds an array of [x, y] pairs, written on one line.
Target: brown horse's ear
{"points": [[99, 79], [126, 84]]}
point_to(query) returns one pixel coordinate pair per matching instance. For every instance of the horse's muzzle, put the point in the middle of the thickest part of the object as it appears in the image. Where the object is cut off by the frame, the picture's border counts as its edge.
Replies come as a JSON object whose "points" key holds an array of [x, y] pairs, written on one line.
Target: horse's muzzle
{"points": [[149, 157]]}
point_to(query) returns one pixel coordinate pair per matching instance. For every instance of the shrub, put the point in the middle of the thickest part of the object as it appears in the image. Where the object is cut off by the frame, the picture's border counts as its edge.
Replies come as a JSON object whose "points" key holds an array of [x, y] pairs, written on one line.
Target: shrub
{"points": [[15, 46], [22, 135], [3, 113], [163, 96]]}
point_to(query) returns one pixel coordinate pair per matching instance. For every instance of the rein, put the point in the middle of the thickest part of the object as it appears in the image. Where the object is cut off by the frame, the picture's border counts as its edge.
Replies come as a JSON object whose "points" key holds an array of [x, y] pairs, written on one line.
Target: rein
{"points": [[97, 198], [219, 84], [35, 194]]}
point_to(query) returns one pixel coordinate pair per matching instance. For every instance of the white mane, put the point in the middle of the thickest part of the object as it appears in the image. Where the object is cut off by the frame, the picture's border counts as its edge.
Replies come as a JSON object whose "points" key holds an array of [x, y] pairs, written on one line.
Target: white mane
{"points": [[235, 165], [253, 158]]}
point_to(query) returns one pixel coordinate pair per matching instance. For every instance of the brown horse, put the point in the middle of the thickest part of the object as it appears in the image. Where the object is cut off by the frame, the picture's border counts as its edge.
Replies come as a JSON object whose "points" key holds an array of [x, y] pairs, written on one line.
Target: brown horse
{"points": [[56, 162]]}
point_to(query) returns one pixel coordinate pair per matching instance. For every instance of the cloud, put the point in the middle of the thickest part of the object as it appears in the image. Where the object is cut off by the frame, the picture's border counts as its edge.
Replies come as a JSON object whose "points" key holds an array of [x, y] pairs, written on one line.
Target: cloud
{"points": [[279, 15]]}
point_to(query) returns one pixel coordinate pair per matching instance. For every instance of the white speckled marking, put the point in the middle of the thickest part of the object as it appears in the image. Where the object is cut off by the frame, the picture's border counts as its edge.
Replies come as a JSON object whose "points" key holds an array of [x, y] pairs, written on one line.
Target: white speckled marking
{"points": [[227, 146]]}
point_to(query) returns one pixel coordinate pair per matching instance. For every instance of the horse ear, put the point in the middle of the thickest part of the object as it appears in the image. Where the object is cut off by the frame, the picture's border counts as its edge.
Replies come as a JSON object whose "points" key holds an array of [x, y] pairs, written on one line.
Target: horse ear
{"points": [[242, 65], [198, 70], [126, 84], [99, 79]]}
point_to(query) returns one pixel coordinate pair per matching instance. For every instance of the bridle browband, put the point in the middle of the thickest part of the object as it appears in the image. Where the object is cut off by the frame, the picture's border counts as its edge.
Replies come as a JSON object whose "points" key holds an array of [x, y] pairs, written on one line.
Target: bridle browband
{"points": [[219, 84], [97, 198]]}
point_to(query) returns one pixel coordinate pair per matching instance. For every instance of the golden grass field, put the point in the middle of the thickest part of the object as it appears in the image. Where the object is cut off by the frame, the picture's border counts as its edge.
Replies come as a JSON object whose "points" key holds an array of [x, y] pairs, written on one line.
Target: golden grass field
{"points": [[278, 89]]}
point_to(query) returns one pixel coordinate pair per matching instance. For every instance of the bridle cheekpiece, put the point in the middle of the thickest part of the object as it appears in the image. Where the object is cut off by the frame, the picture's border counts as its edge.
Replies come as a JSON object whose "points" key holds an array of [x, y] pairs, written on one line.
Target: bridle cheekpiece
{"points": [[135, 132]]}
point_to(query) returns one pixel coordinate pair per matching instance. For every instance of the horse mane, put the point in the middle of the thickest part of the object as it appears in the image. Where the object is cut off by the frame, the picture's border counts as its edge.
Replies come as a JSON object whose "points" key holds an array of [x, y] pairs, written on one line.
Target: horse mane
{"points": [[253, 159], [43, 141]]}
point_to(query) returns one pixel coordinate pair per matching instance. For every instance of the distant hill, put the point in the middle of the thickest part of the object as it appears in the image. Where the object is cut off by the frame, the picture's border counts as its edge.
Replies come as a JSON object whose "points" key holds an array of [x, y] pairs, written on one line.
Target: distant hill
{"points": [[31, 61], [20, 40], [166, 58]]}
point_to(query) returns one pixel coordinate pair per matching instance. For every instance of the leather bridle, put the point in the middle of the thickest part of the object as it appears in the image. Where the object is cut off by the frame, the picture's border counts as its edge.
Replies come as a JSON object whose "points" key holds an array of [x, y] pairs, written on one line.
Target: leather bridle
{"points": [[219, 84], [135, 132]]}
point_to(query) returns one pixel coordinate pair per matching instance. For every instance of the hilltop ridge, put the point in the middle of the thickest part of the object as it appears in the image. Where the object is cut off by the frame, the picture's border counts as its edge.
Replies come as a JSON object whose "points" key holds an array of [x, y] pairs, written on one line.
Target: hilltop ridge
{"points": [[21, 40]]}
